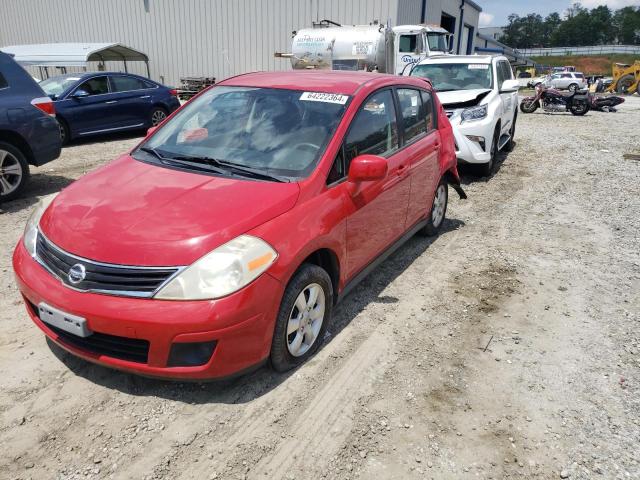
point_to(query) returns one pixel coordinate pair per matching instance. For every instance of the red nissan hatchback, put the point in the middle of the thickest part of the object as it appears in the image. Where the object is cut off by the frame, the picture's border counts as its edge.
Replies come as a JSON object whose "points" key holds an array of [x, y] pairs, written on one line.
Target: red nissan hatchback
{"points": [[226, 237]]}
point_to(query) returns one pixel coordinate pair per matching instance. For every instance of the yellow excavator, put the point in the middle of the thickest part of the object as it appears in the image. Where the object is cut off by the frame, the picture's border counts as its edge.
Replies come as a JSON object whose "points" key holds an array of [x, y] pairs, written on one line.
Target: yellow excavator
{"points": [[626, 78]]}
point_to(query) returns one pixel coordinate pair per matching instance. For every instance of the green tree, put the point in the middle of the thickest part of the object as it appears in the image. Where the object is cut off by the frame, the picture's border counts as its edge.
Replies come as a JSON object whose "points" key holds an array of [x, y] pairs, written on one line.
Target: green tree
{"points": [[626, 25]]}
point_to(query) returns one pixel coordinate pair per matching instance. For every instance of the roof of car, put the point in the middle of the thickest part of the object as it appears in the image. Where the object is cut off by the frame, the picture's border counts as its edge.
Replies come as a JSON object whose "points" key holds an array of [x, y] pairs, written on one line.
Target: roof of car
{"points": [[346, 83], [459, 59]]}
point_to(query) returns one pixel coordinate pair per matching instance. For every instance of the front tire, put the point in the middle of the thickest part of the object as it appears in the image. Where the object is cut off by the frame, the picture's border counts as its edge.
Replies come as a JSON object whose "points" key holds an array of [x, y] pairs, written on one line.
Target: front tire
{"points": [[14, 172], [528, 106], [65, 135], [512, 133], [486, 169], [438, 210], [303, 317]]}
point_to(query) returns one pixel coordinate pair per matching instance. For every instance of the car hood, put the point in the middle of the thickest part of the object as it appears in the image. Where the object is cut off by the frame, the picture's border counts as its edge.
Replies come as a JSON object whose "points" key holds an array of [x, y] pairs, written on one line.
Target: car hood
{"points": [[462, 98], [133, 213]]}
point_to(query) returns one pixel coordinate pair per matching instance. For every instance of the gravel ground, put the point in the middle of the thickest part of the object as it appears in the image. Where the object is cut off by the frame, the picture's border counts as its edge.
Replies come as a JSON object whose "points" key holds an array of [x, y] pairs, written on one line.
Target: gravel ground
{"points": [[508, 347]]}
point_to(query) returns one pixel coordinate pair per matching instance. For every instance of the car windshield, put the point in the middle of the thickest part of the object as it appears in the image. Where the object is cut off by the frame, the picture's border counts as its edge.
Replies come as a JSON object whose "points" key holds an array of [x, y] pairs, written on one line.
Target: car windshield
{"points": [[275, 131], [438, 41], [54, 86], [456, 76]]}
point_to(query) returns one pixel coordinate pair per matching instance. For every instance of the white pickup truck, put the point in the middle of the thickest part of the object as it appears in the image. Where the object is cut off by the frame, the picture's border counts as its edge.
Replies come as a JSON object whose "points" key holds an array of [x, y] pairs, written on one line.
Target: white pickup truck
{"points": [[480, 96]]}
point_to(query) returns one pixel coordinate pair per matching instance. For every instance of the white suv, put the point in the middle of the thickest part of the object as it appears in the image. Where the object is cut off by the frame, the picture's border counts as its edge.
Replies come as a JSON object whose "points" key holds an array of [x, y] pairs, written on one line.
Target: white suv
{"points": [[571, 81], [480, 96]]}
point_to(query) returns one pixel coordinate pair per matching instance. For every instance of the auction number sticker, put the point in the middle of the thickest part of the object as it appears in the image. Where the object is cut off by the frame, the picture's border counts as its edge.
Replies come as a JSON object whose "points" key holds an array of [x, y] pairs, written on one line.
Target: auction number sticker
{"points": [[478, 66], [324, 97]]}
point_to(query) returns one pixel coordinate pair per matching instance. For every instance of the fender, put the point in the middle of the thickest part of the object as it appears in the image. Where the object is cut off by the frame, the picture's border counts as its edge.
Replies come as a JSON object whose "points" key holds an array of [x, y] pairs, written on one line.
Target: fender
{"points": [[452, 178]]}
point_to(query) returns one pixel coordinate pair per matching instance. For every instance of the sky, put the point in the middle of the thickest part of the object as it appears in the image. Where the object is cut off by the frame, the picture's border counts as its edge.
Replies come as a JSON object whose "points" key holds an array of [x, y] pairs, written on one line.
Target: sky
{"points": [[495, 12]]}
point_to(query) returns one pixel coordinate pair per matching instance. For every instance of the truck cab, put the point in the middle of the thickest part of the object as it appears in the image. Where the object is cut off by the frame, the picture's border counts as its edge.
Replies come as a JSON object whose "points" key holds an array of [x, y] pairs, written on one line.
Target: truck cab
{"points": [[413, 43]]}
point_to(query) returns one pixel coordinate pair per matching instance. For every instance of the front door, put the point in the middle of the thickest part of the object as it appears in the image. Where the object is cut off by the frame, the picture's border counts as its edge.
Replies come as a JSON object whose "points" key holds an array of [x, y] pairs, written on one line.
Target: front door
{"points": [[94, 112], [377, 210]]}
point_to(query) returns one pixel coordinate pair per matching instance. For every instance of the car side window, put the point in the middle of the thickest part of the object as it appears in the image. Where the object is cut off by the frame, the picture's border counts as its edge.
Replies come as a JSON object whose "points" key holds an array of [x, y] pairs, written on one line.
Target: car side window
{"points": [[508, 73], [499, 74], [374, 129], [429, 113], [95, 86], [3, 81], [337, 171], [122, 83], [411, 113]]}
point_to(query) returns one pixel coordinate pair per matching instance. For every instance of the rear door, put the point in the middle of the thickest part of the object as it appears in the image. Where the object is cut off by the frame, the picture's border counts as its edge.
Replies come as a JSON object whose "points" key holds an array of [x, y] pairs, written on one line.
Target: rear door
{"points": [[378, 210], [134, 100], [421, 145], [95, 112]]}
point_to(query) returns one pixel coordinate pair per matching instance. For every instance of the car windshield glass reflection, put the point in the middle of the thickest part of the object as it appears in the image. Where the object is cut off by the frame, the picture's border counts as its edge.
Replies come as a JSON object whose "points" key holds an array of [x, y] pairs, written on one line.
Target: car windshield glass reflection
{"points": [[54, 86], [281, 132]]}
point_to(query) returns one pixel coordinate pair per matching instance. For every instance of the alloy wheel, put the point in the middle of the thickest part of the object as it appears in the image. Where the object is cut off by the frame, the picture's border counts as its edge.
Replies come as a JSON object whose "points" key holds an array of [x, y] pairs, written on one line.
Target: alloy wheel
{"points": [[439, 204], [305, 319], [157, 117], [10, 173]]}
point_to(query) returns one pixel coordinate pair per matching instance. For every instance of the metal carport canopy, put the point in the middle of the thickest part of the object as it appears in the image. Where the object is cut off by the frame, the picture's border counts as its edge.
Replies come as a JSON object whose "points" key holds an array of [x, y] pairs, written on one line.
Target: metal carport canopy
{"points": [[73, 54]]}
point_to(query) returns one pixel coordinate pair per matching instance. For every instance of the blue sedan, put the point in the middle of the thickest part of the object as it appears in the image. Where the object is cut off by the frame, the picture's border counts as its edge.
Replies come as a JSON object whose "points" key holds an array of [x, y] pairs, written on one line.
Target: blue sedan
{"points": [[103, 102]]}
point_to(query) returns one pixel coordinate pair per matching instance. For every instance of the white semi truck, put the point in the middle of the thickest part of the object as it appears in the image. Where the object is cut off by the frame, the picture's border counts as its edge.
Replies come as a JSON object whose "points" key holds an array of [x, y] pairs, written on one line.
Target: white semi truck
{"points": [[373, 47]]}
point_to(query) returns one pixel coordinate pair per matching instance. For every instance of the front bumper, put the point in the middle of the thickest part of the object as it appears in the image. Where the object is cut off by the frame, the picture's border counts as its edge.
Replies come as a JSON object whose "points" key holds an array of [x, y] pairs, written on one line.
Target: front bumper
{"points": [[468, 150], [241, 324]]}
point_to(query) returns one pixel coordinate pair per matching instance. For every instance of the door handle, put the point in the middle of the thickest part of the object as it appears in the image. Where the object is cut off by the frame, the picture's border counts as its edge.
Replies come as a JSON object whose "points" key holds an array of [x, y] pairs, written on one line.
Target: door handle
{"points": [[145, 96], [111, 101], [402, 168]]}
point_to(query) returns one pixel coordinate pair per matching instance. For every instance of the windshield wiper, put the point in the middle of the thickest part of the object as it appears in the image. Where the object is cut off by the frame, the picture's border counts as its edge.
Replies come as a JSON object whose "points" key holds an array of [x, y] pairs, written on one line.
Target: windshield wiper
{"points": [[239, 169], [152, 151]]}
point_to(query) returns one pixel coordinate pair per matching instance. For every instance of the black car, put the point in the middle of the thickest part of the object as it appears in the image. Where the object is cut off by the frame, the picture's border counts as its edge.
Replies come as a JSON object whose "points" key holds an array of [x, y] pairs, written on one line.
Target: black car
{"points": [[29, 132]]}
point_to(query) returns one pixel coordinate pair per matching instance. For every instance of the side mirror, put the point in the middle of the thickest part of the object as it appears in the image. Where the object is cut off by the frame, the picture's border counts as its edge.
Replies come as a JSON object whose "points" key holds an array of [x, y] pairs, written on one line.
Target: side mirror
{"points": [[366, 168], [151, 130], [510, 86], [80, 93]]}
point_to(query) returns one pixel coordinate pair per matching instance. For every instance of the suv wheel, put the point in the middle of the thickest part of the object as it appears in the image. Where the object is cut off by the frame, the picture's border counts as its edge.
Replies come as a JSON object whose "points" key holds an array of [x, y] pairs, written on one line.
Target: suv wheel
{"points": [[302, 320], [14, 171], [487, 168], [512, 133], [573, 87]]}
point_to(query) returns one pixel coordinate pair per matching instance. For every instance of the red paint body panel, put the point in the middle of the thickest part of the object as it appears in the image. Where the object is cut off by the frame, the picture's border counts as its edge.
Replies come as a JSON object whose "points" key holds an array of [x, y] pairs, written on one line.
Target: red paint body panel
{"points": [[132, 213]]}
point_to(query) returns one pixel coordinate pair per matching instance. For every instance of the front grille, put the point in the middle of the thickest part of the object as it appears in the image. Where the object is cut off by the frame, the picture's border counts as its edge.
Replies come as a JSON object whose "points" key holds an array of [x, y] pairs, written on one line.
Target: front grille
{"points": [[123, 348], [101, 277]]}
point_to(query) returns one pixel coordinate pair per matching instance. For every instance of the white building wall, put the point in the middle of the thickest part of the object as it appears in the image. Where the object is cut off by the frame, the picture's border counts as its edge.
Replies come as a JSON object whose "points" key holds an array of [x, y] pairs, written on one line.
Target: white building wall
{"points": [[198, 37]]}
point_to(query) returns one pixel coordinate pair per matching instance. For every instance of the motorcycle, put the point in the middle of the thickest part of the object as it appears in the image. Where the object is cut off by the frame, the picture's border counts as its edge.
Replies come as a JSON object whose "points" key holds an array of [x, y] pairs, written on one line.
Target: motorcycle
{"points": [[606, 103], [552, 100]]}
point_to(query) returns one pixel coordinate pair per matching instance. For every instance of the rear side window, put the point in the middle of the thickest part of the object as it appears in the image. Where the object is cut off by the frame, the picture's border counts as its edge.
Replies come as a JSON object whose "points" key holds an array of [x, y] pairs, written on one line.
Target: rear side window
{"points": [[412, 113], [579, 75], [566, 75], [427, 104], [95, 86], [121, 83], [3, 81], [374, 130]]}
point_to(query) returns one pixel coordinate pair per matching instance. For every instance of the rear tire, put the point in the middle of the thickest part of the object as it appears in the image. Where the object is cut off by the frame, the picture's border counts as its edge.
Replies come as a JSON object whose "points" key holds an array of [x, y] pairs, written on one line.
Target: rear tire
{"points": [[579, 110], [573, 87], [292, 346], [14, 172], [438, 210], [157, 116]]}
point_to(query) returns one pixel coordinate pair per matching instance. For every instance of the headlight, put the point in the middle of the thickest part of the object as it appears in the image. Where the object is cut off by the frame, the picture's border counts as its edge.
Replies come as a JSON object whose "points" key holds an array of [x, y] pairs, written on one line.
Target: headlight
{"points": [[223, 271], [31, 228], [475, 113]]}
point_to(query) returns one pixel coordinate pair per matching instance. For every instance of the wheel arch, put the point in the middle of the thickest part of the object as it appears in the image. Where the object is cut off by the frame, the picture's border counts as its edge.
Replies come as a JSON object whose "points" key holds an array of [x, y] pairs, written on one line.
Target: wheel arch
{"points": [[18, 142], [326, 259]]}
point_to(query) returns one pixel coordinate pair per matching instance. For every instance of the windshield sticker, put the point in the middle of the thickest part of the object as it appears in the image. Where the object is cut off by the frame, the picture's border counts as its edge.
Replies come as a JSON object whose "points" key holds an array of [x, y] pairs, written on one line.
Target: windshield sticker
{"points": [[324, 97], [478, 66]]}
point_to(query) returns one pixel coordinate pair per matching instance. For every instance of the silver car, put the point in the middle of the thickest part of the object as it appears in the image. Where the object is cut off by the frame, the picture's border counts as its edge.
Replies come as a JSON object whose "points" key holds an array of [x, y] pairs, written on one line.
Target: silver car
{"points": [[571, 81]]}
